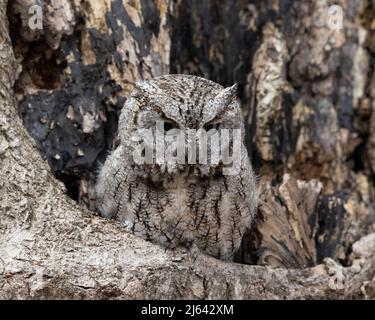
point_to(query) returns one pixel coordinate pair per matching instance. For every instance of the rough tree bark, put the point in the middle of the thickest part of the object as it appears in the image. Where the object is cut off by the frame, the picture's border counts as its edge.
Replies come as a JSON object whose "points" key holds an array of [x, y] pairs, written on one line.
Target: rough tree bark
{"points": [[52, 247]]}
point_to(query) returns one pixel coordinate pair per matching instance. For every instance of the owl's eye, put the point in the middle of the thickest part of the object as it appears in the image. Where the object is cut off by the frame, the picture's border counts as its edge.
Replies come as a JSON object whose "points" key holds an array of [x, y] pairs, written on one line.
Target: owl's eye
{"points": [[211, 126], [169, 125]]}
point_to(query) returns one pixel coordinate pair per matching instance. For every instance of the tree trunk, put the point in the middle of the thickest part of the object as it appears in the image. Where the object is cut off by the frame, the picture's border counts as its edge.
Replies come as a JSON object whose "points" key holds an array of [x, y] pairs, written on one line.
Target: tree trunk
{"points": [[307, 97]]}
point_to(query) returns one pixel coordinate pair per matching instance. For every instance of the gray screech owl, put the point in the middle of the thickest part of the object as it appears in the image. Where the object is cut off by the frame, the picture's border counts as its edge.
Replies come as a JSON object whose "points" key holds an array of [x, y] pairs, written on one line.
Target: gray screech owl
{"points": [[162, 186]]}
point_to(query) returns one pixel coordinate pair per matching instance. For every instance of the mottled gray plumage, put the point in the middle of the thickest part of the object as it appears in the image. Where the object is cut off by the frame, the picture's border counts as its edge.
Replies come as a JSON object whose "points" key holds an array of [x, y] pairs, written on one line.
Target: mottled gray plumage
{"points": [[174, 204]]}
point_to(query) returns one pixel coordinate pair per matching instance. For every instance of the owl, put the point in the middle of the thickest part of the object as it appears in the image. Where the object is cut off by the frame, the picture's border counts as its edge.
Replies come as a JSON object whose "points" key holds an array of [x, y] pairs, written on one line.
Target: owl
{"points": [[180, 174]]}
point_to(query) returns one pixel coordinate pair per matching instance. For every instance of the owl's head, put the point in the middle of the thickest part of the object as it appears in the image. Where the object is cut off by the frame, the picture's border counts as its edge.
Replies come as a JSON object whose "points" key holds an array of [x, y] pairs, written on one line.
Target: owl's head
{"points": [[181, 124]]}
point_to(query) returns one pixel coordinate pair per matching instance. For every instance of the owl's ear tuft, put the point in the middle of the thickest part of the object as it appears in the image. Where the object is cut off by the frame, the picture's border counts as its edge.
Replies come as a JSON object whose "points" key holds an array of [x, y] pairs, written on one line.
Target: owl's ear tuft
{"points": [[143, 88], [227, 95], [232, 91], [140, 89]]}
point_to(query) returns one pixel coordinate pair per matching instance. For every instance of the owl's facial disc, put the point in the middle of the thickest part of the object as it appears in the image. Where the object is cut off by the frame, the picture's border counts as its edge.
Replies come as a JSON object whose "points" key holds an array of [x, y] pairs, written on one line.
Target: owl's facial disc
{"points": [[187, 134]]}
